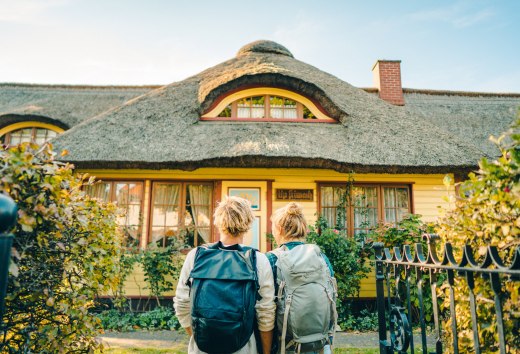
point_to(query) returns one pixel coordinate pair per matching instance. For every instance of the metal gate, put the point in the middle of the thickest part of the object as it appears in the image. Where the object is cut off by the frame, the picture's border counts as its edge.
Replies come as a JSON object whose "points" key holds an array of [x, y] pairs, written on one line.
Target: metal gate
{"points": [[393, 272]]}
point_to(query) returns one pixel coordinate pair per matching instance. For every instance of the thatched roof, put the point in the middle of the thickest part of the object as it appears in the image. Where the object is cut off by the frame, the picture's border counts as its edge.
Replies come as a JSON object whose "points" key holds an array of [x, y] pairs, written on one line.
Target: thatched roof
{"points": [[162, 128], [472, 116], [62, 105]]}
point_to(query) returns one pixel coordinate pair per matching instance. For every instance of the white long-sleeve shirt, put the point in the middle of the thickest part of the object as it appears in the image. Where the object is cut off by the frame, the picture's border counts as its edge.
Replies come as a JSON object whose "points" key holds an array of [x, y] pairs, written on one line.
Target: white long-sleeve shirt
{"points": [[265, 307]]}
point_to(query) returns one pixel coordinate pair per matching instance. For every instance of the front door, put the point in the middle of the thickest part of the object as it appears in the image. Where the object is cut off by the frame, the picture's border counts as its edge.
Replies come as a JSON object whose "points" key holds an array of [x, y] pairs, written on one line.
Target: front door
{"points": [[256, 193]]}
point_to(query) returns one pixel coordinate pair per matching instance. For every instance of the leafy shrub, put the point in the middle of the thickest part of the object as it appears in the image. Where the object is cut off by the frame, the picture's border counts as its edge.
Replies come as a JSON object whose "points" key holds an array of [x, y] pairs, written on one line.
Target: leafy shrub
{"points": [[66, 252], [162, 266], [366, 321], [159, 318], [348, 261], [487, 212]]}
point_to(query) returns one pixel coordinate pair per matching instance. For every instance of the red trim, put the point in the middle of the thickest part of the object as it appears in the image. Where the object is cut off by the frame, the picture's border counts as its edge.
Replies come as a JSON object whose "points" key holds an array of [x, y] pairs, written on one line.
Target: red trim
{"points": [[217, 194], [269, 211], [232, 119]]}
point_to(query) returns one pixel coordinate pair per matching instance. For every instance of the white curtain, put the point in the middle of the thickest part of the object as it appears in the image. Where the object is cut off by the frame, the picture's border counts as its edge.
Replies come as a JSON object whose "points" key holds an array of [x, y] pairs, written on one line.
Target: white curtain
{"points": [[200, 200]]}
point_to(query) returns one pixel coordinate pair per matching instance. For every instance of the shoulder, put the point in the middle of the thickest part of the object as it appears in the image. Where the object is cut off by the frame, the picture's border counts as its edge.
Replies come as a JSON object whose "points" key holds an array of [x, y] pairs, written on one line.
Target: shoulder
{"points": [[261, 259]]}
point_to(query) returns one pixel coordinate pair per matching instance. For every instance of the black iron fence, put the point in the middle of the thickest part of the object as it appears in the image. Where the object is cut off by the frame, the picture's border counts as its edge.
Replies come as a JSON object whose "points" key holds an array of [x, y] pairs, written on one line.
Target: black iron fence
{"points": [[394, 271]]}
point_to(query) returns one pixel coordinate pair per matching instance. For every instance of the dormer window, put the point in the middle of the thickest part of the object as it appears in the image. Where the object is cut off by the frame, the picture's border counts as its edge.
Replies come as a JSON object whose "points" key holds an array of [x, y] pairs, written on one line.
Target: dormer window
{"points": [[28, 132], [267, 104]]}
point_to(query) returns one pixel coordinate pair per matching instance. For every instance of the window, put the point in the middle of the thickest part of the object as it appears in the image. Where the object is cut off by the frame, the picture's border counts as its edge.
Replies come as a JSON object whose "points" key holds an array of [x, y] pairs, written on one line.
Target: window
{"points": [[28, 135], [181, 210], [274, 107], [370, 205], [267, 104], [129, 197]]}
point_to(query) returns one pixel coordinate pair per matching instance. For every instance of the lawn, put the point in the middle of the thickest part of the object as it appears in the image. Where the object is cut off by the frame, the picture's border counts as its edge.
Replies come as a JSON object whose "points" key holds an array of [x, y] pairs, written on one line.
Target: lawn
{"points": [[162, 351]]}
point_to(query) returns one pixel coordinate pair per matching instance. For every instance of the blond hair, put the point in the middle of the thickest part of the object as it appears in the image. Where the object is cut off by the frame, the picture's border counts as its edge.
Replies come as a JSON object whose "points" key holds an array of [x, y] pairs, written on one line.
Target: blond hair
{"points": [[291, 221], [233, 216]]}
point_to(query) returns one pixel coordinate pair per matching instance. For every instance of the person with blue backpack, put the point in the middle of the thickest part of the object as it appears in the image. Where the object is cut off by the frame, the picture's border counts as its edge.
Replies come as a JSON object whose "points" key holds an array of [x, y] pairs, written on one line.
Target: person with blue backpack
{"points": [[225, 293], [306, 289]]}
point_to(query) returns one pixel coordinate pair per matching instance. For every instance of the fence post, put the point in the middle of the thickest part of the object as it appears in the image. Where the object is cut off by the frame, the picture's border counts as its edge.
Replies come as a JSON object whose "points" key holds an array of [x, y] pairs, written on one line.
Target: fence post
{"points": [[8, 212], [384, 346]]}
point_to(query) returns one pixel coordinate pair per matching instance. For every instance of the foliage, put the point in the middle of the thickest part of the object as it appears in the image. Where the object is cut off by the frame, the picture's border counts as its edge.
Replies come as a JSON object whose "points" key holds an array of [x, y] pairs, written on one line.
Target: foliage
{"points": [[156, 319], [366, 321], [346, 256], [161, 265], [409, 231], [65, 253], [487, 212]]}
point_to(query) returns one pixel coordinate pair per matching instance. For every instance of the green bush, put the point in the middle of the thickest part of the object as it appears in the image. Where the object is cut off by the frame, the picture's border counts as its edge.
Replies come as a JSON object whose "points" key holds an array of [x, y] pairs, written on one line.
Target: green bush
{"points": [[156, 319], [66, 252], [348, 261], [366, 321], [487, 212]]}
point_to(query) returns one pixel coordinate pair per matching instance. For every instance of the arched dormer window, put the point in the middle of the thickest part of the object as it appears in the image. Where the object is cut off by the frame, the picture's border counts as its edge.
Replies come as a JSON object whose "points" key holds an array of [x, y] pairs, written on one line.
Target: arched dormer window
{"points": [[26, 132], [267, 104]]}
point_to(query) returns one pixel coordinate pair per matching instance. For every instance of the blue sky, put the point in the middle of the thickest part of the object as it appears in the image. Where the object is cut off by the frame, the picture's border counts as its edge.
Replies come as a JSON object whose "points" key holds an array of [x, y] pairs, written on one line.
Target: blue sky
{"points": [[470, 45]]}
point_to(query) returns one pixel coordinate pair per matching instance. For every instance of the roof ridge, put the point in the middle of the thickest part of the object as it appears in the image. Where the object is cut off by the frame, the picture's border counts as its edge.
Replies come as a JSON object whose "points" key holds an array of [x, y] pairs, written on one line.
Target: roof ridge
{"points": [[84, 87]]}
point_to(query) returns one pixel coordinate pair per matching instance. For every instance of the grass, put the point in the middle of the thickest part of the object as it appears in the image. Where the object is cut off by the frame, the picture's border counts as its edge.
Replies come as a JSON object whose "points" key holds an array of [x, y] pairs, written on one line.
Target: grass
{"points": [[176, 351]]}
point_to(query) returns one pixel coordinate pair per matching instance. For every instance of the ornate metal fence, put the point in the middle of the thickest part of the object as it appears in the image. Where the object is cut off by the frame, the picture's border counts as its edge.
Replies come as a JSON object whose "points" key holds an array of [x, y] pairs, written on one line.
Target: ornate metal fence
{"points": [[393, 272]]}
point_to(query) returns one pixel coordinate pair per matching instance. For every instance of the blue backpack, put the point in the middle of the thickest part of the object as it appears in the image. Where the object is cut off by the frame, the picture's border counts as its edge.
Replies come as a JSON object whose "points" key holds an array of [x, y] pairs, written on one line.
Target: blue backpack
{"points": [[224, 291]]}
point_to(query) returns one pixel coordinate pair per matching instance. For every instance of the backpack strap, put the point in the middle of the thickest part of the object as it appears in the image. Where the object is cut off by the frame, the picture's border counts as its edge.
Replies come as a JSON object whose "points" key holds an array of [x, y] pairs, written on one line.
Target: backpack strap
{"points": [[288, 301]]}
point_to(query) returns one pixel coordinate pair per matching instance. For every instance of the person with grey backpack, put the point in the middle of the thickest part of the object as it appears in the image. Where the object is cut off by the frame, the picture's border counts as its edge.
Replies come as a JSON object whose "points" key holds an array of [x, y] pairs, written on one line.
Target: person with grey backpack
{"points": [[305, 288]]}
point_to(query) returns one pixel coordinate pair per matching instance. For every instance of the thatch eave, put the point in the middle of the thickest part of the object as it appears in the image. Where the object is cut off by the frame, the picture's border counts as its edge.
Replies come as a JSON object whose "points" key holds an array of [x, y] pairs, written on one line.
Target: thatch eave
{"points": [[254, 161], [8, 119]]}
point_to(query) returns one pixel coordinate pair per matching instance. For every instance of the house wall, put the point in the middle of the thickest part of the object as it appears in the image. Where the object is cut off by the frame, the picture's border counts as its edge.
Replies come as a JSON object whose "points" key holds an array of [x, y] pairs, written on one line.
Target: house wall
{"points": [[428, 194]]}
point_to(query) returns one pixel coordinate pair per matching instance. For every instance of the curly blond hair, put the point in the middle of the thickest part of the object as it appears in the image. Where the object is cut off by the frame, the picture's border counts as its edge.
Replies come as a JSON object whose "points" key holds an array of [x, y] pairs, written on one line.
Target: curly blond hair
{"points": [[233, 216]]}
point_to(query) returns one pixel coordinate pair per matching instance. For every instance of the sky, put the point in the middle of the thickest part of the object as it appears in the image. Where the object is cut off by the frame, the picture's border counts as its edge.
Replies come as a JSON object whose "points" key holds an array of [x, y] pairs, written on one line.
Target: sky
{"points": [[466, 45]]}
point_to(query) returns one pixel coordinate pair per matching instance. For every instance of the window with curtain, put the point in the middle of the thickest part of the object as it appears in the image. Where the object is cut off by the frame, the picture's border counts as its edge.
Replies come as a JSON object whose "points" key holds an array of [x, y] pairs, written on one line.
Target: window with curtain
{"points": [[181, 210], [370, 205], [267, 106], [27, 135], [128, 196]]}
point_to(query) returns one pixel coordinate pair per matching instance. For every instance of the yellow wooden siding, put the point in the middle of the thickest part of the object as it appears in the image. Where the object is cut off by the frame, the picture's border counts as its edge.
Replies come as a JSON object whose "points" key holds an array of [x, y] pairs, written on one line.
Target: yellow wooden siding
{"points": [[428, 193], [136, 286]]}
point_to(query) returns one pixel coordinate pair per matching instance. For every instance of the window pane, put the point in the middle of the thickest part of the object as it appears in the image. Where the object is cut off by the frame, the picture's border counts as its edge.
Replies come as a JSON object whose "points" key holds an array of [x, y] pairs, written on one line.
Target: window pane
{"points": [[26, 135], [258, 107], [226, 112], [290, 109], [390, 216], [307, 114], [198, 210], [402, 198], [128, 196], [100, 190], [165, 212], [244, 108], [276, 104], [389, 194], [40, 136], [15, 137], [327, 198], [330, 199]]}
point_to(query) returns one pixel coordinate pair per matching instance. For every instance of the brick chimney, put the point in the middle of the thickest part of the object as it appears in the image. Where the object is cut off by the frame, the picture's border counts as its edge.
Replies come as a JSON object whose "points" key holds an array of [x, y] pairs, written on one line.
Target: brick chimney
{"points": [[387, 79]]}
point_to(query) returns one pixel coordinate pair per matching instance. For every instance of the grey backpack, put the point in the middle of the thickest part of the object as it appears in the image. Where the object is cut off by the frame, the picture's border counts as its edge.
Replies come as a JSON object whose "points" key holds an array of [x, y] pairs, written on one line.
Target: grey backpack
{"points": [[306, 301]]}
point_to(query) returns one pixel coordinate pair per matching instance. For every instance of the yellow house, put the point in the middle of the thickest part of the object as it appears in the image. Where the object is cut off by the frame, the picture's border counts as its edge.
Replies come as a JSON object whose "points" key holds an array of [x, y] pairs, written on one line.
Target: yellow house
{"points": [[265, 126]]}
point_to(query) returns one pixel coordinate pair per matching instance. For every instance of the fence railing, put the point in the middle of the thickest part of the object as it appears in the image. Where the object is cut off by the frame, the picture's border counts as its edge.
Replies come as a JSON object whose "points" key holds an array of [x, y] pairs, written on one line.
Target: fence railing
{"points": [[393, 287]]}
